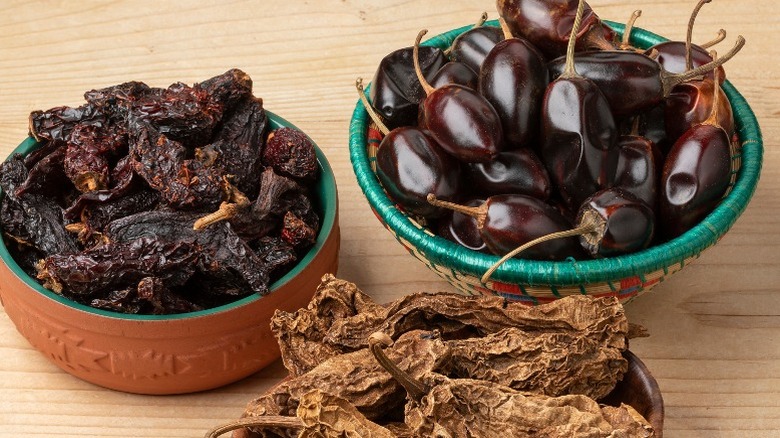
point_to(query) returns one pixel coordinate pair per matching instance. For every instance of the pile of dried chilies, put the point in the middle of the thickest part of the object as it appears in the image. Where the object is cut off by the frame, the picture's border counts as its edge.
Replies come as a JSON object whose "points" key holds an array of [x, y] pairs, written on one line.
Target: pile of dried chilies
{"points": [[445, 365], [160, 200]]}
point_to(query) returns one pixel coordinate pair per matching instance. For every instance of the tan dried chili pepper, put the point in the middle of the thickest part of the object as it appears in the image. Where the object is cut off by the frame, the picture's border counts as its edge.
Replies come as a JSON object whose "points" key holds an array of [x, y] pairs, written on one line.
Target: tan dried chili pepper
{"points": [[588, 362], [471, 408], [358, 378], [444, 407], [573, 345], [319, 415], [300, 334]]}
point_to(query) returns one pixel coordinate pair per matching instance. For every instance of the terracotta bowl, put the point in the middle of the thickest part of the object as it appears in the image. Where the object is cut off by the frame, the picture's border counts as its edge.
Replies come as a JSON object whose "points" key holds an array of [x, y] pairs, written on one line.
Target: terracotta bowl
{"points": [[639, 390], [168, 354]]}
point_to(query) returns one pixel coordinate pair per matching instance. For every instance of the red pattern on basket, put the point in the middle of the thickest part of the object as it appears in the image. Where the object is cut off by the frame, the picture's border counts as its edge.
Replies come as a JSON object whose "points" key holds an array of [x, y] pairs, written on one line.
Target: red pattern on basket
{"points": [[507, 288], [374, 134]]}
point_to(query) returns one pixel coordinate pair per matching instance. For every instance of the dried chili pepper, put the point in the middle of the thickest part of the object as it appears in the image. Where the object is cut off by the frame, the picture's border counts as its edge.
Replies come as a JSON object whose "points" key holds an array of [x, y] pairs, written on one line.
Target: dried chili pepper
{"points": [[467, 408], [150, 296], [358, 378], [222, 254], [96, 216], [124, 181], [587, 362], [190, 114], [88, 154], [115, 101], [319, 415], [57, 123], [275, 253], [31, 218], [237, 146], [183, 183], [301, 334], [134, 168], [458, 316], [297, 232], [117, 264], [290, 153], [47, 176], [583, 337], [440, 406], [253, 220]]}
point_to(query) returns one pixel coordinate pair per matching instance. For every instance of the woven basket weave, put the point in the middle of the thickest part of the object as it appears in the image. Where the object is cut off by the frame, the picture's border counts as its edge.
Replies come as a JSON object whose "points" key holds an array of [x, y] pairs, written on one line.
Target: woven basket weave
{"points": [[531, 281]]}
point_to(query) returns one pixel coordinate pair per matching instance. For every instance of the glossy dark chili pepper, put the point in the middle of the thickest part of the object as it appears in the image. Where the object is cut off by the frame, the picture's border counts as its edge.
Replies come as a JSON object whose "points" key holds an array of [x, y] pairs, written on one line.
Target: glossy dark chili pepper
{"points": [[633, 82], [472, 46], [627, 223], [461, 121], [651, 125], [579, 134], [691, 103], [609, 223], [508, 221], [547, 24], [455, 72], [462, 229], [681, 56], [638, 169], [671, 56], [410, 164], [395, 90], [513, 79], [695, 177], [696, 173], [517, 171]]}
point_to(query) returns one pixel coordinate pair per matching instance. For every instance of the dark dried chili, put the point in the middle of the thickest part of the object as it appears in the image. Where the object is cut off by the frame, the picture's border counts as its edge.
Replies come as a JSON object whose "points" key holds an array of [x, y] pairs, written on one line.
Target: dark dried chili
{"points": [[105, 209]]}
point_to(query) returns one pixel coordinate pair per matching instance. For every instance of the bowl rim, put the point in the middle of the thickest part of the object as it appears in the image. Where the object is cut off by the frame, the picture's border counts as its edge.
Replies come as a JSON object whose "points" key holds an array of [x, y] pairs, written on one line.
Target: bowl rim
{"points": [[440, 251], [327, 198]]}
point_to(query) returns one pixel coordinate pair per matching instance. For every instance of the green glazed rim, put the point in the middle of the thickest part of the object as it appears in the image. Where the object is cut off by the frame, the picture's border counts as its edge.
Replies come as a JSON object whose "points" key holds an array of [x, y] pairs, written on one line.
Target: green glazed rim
{"points": [[327, 198], [440, 251]]}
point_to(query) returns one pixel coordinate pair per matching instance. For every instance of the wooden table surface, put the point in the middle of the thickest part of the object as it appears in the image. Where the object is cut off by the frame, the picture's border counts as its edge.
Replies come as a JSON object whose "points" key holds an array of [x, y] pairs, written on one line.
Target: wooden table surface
{"points": [[715, 326]]}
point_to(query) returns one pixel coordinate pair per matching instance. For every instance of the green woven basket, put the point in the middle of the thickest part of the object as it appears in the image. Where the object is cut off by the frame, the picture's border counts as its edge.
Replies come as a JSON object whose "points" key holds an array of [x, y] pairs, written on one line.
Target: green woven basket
{"points": [[538, 281]]}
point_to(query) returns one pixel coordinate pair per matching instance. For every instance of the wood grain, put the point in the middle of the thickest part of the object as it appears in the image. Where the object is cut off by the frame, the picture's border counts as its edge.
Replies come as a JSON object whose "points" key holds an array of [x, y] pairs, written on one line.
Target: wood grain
{"points": [[714, 326]]}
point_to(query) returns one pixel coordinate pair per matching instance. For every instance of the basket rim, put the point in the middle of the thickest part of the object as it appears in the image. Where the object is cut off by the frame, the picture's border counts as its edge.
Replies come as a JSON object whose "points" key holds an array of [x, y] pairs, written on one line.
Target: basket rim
{"points": [[442, 252]]}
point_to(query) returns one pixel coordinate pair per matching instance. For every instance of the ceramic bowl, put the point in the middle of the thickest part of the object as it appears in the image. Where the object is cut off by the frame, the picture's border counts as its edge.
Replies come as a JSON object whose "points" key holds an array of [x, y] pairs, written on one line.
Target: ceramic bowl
{"points": [[531, 281], [639, 389], [169, 354]]}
